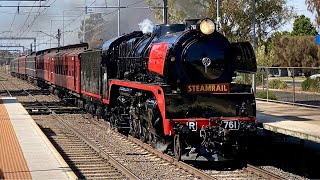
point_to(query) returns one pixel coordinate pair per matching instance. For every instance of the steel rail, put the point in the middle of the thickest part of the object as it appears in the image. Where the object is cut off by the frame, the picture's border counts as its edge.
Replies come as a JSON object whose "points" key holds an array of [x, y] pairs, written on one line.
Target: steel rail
{"points": [[106, 156], [4, 87], [170, 159], [263, 173], [103, 154]]}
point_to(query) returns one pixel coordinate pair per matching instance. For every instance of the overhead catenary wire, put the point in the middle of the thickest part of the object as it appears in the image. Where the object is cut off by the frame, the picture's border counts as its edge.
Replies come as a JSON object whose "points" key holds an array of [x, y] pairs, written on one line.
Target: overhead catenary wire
{"points": [[14, 17], [34, 19], [73, 20], [97, 26], [26, 19], [105, 14]]}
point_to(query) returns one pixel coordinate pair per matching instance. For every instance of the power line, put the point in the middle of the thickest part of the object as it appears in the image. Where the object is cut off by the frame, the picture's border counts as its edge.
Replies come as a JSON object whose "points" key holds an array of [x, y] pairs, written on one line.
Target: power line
{"points": [[26, 19], [31, 24], [76, 17], [14, 17]]}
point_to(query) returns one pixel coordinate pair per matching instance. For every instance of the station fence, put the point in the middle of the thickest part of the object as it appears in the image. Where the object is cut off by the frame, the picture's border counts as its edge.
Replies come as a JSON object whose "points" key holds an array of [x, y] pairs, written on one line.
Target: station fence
{"points": [[293, 85]]}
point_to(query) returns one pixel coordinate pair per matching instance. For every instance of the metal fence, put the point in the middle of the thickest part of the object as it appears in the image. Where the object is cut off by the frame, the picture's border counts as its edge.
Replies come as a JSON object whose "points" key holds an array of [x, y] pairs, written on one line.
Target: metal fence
{"points": [[294, 85]]}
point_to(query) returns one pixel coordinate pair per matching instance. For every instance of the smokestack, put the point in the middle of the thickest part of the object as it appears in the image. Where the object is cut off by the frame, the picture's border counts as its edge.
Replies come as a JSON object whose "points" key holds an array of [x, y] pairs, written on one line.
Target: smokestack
{"points": [[165, 11]]}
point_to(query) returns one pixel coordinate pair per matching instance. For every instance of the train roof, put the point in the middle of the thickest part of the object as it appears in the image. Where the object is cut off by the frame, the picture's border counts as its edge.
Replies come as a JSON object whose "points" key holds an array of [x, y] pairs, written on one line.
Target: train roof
{"points": [[73, 46]]}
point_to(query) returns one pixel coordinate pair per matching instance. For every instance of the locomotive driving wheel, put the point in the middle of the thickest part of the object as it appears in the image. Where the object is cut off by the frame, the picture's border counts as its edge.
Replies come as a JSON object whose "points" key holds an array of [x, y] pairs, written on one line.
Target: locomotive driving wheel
{"points": [[135, 130], [144, 134], [177, 147]]}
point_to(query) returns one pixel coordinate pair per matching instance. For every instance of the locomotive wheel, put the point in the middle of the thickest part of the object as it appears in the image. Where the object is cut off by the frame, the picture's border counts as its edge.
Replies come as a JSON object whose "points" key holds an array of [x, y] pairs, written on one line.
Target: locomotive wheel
{"points": [[112, 121], [177, 147], [135, 130], [86, 107], [99, 112], [56, 92], [144, 134]]}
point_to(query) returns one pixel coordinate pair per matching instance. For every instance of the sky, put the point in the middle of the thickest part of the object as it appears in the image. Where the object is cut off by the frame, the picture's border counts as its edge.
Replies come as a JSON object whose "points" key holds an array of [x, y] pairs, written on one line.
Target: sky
{"points": [[301, 9], [65, 15], [28, 23]]}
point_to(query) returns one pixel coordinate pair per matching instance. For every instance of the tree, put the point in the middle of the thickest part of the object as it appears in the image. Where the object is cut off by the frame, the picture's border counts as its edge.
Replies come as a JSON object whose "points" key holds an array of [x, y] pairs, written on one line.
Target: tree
{"points": [[296, 51], [314, 6], [302, 26], [94, 30], [236, 16]]}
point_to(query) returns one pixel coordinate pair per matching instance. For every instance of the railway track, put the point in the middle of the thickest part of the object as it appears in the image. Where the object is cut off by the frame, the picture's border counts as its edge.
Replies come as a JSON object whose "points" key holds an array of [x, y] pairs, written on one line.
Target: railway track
{"points": [[84, 158], [249, 172], [77, 139]]}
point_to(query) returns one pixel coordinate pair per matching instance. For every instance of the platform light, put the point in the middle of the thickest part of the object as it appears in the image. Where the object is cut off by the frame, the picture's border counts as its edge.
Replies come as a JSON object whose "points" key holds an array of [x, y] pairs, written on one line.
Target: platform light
{"points": [[207, 26]]}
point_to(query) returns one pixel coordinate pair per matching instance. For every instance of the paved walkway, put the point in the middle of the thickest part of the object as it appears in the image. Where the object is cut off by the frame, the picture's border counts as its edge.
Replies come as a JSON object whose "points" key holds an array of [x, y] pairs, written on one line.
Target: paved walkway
{"points": [[12, 162], [296, 121], [25, 151]]}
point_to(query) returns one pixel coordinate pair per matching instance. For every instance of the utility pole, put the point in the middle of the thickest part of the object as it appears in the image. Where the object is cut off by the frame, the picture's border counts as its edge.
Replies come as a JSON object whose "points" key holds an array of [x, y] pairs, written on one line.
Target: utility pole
{"points": [[218, 15], [22, 38], [118, 18], [254, 40], [59, 37], [84, 22], [165, 11]]}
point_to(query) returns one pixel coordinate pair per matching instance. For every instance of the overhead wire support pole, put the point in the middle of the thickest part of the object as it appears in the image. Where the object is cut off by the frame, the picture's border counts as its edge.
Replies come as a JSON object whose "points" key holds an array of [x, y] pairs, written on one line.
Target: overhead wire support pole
{"points": [[218, 15], [22, 38], [18, 7], [84, 22], [12, 46], [23, 0], [254, 40], [165, 11], [124, 7], [118, 18]]}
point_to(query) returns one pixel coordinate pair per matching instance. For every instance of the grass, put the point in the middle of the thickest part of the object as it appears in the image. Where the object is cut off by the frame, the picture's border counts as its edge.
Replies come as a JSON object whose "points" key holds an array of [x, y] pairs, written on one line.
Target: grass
{"points": [[290, 79]]}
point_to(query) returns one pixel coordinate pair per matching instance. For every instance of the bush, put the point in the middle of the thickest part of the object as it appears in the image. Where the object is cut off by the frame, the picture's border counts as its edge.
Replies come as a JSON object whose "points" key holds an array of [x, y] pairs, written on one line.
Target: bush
{"points": [[263, 95], [277, 84], [310, 85], [243, 78]]}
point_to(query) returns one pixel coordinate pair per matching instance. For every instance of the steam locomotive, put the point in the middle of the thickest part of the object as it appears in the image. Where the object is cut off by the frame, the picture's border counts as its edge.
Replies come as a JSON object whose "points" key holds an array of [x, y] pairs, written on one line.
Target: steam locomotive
{"points": [[171, 87]]}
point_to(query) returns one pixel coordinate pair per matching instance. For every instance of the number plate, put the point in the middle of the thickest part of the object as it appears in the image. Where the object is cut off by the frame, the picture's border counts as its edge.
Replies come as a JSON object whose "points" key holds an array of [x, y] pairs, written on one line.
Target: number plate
{"points": [[232, 125]]}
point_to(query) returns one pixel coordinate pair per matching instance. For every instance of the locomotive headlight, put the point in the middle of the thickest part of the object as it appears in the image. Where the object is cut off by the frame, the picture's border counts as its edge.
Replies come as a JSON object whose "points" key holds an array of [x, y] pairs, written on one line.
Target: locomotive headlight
{"points": [[207, 26]]}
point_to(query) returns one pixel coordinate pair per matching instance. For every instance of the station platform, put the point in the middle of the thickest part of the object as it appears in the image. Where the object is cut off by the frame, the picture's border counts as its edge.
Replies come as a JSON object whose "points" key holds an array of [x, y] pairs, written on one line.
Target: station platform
{"points": [[25, 152], [295, 121]]}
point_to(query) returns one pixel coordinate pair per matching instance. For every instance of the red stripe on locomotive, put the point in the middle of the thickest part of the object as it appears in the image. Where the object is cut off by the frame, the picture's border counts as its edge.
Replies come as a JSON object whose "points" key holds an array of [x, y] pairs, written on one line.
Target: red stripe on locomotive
{"points": [[156, 90], [157, 57]]}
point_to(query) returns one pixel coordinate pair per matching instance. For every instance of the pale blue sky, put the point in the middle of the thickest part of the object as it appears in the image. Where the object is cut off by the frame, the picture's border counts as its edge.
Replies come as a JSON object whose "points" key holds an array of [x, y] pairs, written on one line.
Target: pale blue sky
{"points": [[301, 9]]}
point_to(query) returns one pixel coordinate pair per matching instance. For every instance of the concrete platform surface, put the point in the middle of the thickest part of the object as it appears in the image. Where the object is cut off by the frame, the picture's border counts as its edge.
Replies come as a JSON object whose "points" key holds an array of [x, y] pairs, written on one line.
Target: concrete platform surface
{"points": [[295, 121], [43, 160]]}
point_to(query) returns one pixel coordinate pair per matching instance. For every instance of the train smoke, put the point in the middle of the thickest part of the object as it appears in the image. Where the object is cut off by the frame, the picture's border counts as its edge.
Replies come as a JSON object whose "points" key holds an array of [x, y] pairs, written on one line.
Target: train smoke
{"points": [[146, 26]]}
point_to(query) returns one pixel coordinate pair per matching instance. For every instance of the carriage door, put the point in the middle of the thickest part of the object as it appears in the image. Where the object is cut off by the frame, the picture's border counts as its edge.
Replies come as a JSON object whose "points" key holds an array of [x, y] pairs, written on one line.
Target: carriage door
{"points": [[105, 83], [74, 72], [51, 69]]}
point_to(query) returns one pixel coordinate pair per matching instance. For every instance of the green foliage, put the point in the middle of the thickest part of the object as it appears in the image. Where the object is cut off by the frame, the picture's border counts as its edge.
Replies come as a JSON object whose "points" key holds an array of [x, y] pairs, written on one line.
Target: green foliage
{"points": [[281, 34], [314, 6], [277, 84], [94, 28], [243, 78], [302, 26], [310, 85], [236, 17], [263, 95], [264, 56], [296, 51]]}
